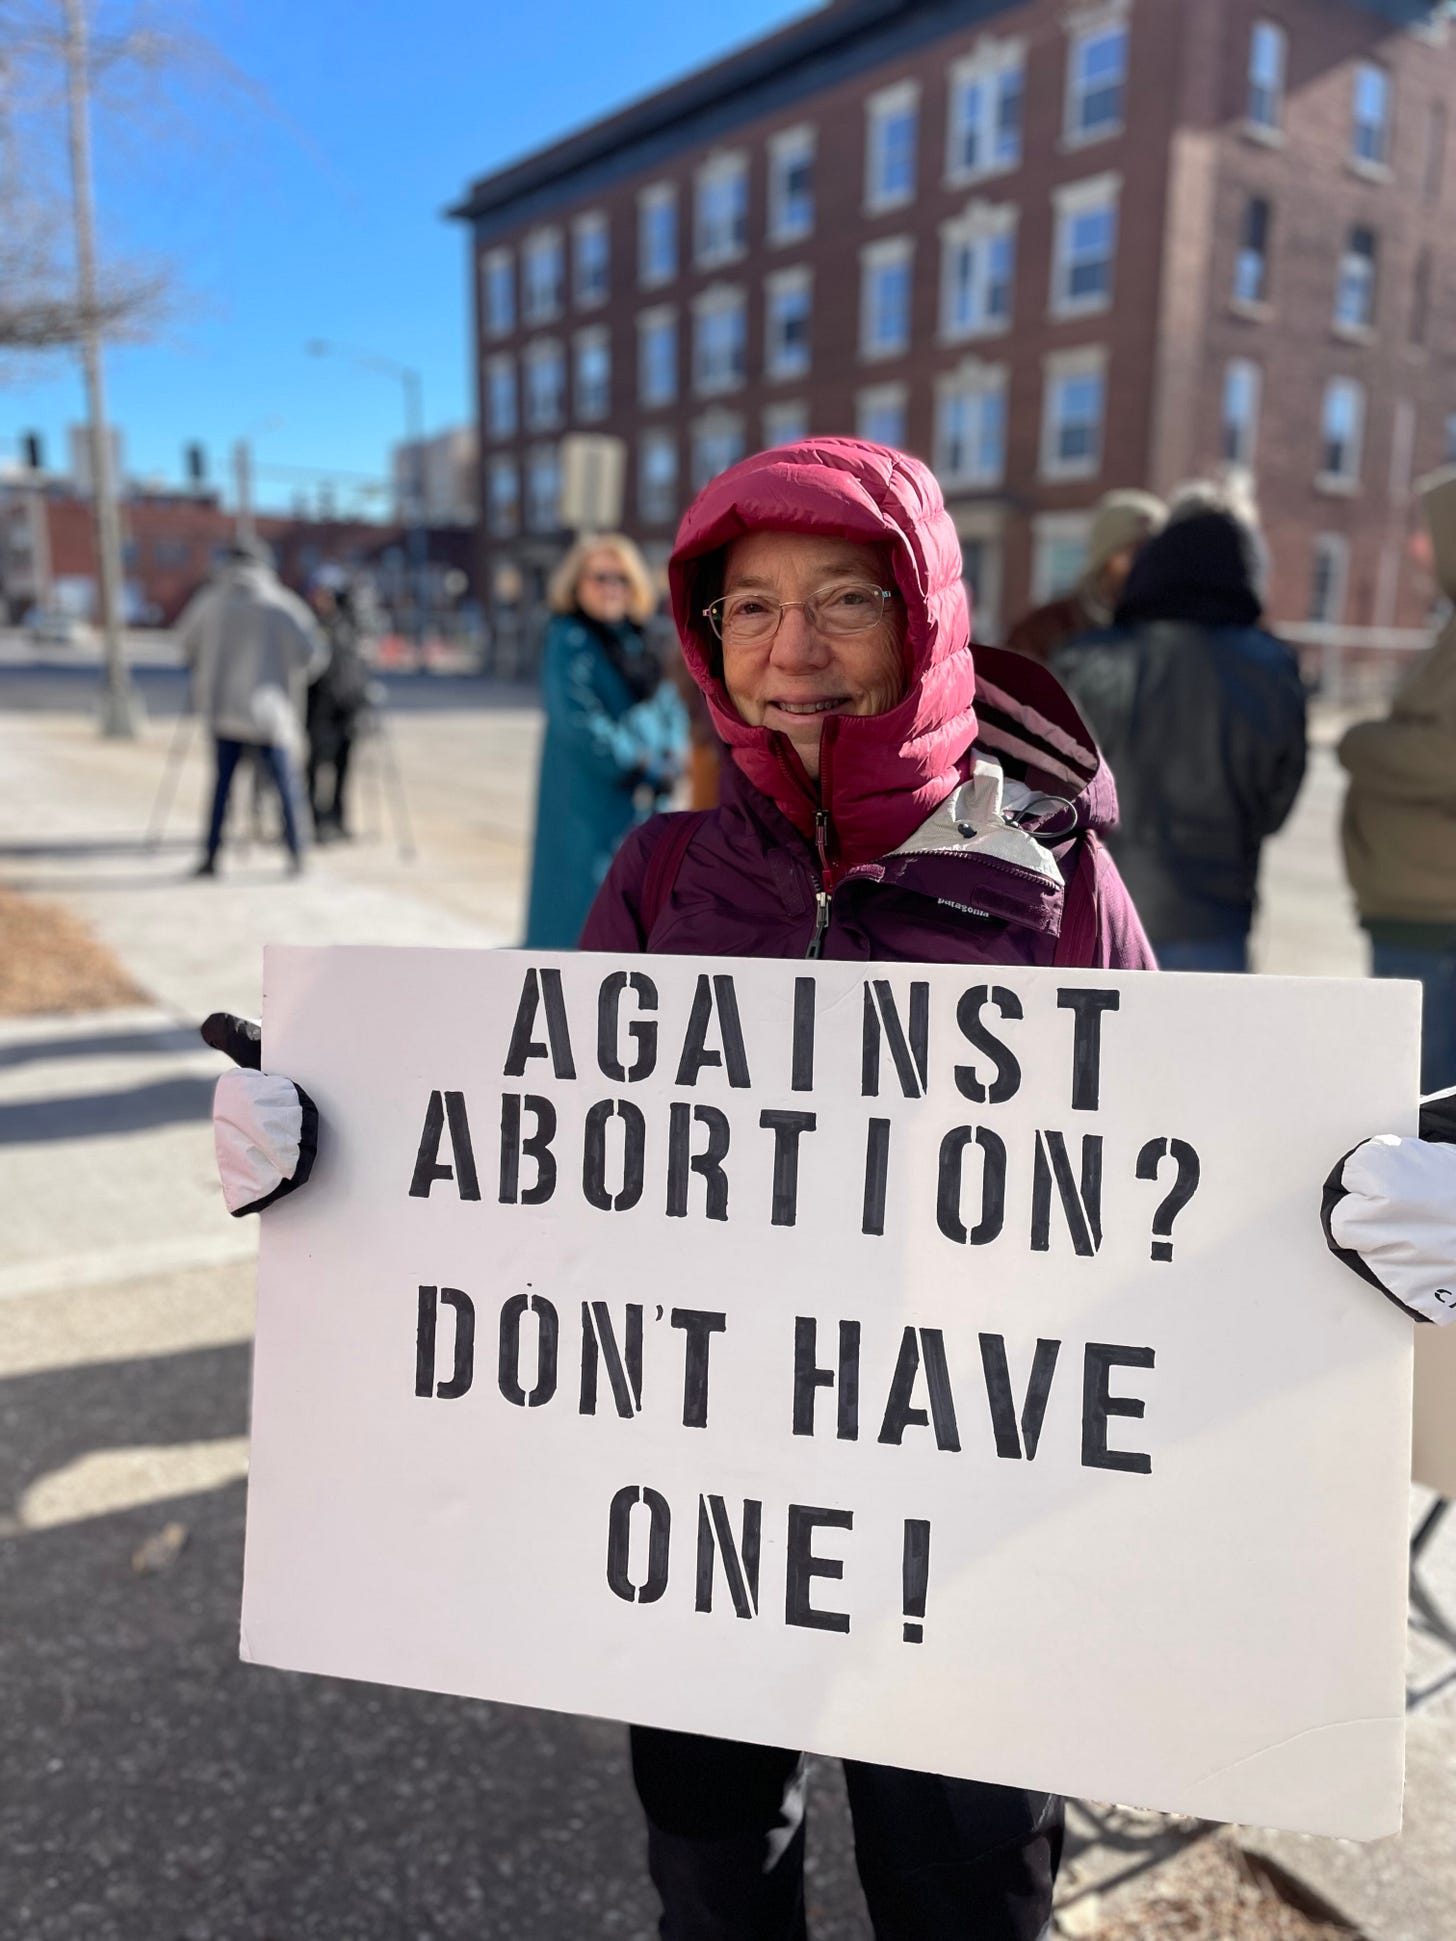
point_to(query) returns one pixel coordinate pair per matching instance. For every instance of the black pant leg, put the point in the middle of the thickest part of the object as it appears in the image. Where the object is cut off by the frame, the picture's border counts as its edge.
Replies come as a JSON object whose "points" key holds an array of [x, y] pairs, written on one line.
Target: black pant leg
{"points": [[725, 1836], [952, 1859]]}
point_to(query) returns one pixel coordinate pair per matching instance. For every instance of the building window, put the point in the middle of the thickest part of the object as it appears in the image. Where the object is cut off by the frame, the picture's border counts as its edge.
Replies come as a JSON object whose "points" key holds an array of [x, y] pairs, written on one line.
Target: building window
{"points": [[788, 310], [1435, 152], [657, 234], [542, 276], [785, 424], [1096, 82], [1251, 269], [981, 571], [885, 270], [720, 340], [498, 282], [977, 269], [593, 258], [892, 121], [791, 185], [722, 220], [1342, 421], [543, 489], [545, 386], [1370, 127], [1355, 284], [657, 357], [1085, 246], [983, 130], [1060, 553], [1071, 443], [1268, 56], [1241, 386], [657, 476], [593, 375], [717, 444], [970, 427], [505, 497], [879, 415], [1329, 570], [500, 397]]}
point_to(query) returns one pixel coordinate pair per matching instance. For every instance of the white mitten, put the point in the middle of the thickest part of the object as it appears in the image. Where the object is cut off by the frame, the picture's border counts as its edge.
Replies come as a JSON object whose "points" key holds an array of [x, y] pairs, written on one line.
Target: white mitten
{"points": [[1389, 1213], [265, 1128]]}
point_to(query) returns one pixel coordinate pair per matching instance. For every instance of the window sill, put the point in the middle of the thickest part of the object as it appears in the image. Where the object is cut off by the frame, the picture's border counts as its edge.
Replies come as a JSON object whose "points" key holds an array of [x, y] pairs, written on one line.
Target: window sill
{"points": [[1072, 312], [1369, 171], [971, 178], [950, 483], [658, 281], [785, 373], [1261, 135], [591, 303], [882, 353], [1348, 333], [1251, 309], [1336, 485], [717, 387], [786, 238], [718, 258], [657, 404], [1073, 142], [1071, 474], [976, 333], [883, 205]]}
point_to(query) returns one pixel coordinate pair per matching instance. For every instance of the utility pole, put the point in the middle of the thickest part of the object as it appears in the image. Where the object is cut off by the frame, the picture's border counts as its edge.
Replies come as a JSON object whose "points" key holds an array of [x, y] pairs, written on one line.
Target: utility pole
{"points": [[243, 486], [121, 711]]}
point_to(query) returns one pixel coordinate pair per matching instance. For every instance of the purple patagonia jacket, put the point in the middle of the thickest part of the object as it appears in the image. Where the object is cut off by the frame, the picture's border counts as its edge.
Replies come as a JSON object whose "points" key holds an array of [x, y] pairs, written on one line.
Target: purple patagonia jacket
{"points": [[962, 827]]}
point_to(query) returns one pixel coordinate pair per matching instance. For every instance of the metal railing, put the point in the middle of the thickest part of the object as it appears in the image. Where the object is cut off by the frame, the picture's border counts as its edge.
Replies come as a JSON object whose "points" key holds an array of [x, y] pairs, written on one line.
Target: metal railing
{"points": [[1355, 667]]}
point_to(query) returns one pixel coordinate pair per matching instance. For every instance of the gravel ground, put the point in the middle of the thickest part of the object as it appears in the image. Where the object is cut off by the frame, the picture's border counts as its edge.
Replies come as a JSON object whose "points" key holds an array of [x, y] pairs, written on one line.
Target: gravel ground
{"points": [[1210, 1892], [50, 962]]}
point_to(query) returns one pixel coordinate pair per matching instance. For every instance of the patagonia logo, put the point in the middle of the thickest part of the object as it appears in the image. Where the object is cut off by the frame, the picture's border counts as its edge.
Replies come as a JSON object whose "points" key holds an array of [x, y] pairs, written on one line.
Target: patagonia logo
{"points": [[966, 909]]}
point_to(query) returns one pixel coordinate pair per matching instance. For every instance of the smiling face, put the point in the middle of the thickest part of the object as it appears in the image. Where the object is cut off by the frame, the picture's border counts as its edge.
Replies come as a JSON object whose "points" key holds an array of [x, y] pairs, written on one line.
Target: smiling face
{"points": [[793, 680], [604, 591]]}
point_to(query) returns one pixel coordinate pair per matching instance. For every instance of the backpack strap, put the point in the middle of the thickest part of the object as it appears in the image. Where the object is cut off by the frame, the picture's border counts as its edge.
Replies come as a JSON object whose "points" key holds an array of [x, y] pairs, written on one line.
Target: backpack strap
{"points": [[678, 829], [1078, 937]]}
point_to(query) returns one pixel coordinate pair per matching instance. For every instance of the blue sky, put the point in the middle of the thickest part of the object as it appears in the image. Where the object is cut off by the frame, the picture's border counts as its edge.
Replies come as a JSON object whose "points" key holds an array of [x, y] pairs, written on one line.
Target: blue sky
{"points": [[304, 202]]}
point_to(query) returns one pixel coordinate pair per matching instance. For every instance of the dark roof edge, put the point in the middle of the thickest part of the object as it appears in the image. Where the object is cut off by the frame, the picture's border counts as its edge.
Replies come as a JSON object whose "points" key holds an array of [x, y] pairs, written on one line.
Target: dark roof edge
{"points": [[654, 113]]}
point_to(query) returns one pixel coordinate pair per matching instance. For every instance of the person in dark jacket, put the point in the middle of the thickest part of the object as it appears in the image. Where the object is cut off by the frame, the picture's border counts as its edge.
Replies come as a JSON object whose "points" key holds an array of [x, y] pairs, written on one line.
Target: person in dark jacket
{"points": [[1200, 714], [336, 700], [616, 732]]}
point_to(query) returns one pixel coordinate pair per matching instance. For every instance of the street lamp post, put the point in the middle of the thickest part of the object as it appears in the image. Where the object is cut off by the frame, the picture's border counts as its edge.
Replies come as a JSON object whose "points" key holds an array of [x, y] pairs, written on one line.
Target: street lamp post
{"points": [[121, 711], [414, 431]]}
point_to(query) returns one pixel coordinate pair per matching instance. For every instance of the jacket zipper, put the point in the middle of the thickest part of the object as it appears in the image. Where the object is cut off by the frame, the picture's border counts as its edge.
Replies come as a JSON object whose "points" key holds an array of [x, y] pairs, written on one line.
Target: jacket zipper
{"points": [[821, 891]]}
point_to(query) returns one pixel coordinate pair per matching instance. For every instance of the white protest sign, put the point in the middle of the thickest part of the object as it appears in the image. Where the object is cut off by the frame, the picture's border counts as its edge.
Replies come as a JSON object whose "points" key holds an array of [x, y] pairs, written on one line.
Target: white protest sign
{"points": [[941, 1367]]}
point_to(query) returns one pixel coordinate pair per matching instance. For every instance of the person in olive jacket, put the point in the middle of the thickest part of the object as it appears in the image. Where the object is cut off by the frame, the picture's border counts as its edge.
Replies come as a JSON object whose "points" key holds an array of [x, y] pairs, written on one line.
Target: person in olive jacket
{"points": [[1200, 714]]}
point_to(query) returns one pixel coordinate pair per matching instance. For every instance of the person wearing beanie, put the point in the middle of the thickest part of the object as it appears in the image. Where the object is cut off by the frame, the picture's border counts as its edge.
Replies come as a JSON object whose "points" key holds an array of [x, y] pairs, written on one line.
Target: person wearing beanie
{"points": [[1400, 816], [1121, 526], [1200, 714]]}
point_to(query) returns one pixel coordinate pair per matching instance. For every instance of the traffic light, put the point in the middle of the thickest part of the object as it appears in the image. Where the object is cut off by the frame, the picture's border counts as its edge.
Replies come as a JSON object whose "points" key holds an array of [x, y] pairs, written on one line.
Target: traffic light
{"points": [[196, 465], [34, 451]]}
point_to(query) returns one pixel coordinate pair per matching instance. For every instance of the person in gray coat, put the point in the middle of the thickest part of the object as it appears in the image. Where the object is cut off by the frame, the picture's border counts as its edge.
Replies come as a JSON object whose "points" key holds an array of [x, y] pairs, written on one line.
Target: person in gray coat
{"points": [[253, 648]]}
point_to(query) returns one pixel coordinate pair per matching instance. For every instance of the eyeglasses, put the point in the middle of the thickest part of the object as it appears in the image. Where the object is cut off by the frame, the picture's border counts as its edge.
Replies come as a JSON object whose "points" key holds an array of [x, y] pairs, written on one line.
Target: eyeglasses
{"points": [[606, 579], [848, 607]]}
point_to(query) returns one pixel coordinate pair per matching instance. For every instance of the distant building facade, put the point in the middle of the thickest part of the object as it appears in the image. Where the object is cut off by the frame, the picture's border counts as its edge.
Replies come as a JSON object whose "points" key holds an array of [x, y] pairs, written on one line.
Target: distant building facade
{"points": [[1053, 246], [447, 469]]}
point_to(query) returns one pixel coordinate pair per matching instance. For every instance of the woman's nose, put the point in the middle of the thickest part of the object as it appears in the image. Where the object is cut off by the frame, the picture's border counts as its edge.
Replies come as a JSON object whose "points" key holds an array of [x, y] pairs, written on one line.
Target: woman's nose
{"points": [[797, 644]]}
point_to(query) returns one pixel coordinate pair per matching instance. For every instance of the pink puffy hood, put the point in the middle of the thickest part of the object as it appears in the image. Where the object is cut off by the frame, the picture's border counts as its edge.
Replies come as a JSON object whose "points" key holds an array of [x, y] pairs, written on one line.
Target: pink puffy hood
{"points": [[880, 775]]}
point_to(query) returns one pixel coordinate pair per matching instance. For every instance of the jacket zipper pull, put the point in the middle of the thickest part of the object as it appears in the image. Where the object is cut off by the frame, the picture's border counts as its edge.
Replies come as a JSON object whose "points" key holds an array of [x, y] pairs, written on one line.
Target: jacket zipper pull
{"points": [[821, 894]]}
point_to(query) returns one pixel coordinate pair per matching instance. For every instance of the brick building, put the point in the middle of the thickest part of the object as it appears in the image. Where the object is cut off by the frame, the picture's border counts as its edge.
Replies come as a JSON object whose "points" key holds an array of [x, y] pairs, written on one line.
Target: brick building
{"points": [[1054, 246]]}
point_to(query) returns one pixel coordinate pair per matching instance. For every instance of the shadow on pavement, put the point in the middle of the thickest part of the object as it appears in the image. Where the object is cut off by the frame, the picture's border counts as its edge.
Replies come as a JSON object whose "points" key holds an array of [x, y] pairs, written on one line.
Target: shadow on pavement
{"points": [[102, 1044], [93, 1115]]}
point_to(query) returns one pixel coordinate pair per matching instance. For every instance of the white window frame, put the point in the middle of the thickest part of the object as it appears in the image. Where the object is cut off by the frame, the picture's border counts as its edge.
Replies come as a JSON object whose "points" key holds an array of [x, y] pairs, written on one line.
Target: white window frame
{"points": [[1376, 166], [655, 197], [987, 67], [535, 247], [1256, 305], [979, 226], [534, 458], [881, 108], [652, 510], [494, 261], [1347, 478], [881, 397], [1052, 531], [662, 318], [1247, 429], [499, 425], [786, 422], [984, 526], [1353, 266], [719, 300], [541, 351], [975, 383], [1270, 127], [584, 230], [1066, 367], [1333, 547], [503, 465], [714, 424], [888, 253], [786, 150], [782, 361], [725, 167], [1071, 201], [1084, 27], [589, 409]]}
